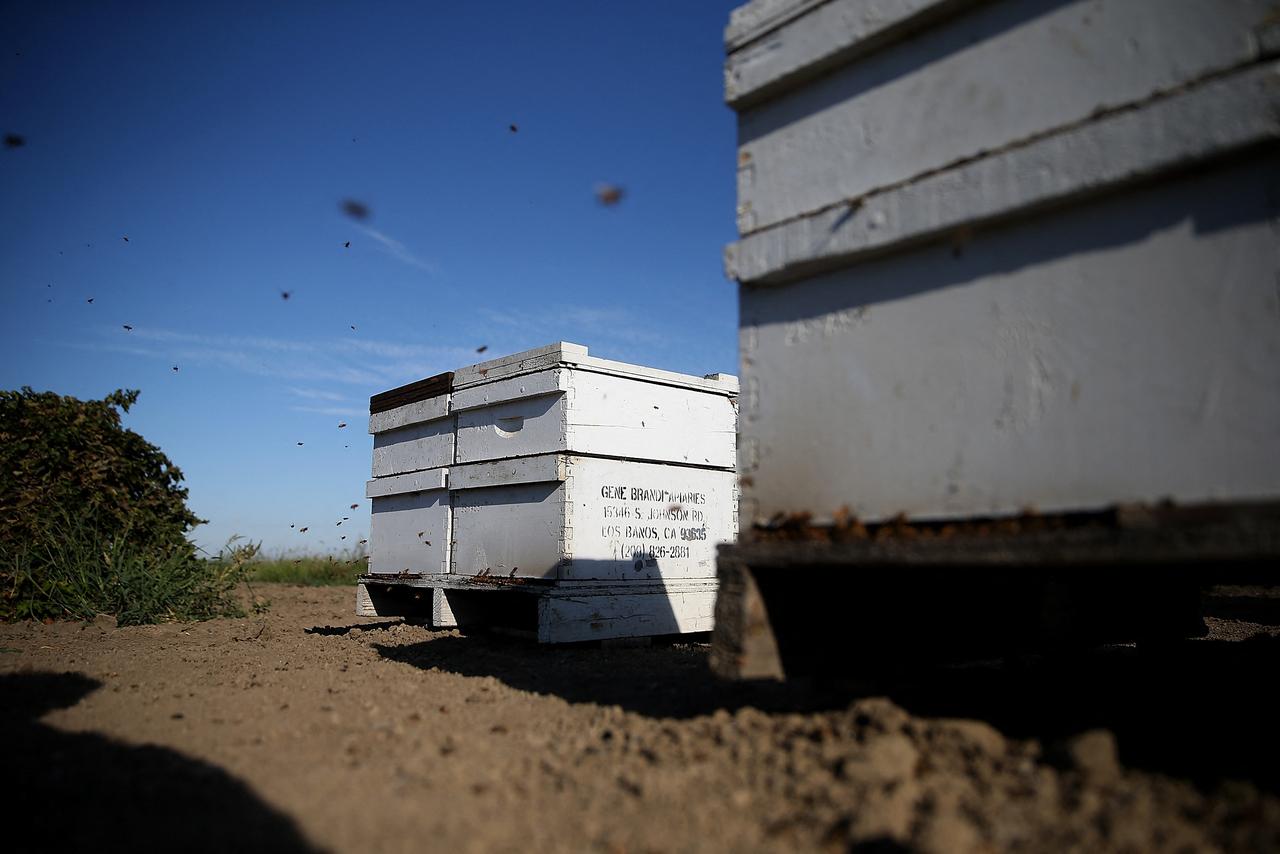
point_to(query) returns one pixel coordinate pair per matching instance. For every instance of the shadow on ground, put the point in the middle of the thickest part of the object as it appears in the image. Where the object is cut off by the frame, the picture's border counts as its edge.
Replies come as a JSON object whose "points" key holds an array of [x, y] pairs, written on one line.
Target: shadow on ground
{"points": [[660, 681], [1199, 709], [82, 792]]}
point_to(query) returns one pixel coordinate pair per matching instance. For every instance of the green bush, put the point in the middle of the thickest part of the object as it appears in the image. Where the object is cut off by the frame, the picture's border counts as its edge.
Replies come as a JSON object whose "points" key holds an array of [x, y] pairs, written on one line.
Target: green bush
{"points": [[96, 520]]}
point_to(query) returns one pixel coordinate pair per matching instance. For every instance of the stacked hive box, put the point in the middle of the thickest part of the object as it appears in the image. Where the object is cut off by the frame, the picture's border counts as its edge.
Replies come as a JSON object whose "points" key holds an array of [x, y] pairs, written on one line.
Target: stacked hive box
{"points": [[1000, 257], [1006, 254], [591, 492]]}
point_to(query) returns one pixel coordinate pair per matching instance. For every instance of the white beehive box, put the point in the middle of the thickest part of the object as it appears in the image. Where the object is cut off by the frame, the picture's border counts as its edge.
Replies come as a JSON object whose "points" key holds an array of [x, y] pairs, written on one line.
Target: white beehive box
{"points": [[412, 449], [409, 525], [560, 399], [412, 427], [555, 468], [999, 256], [585, 519]]}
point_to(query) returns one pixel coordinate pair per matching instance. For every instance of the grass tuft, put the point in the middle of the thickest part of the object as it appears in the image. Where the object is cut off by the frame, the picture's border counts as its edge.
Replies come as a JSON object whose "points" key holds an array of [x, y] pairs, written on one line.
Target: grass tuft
{"points": [[310, 570], [72, 570]]}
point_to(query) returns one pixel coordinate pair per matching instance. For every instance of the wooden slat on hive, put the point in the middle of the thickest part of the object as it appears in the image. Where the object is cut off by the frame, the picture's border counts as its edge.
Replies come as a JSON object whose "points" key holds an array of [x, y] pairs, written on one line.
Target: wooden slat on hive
{"points": [[411, 393]]}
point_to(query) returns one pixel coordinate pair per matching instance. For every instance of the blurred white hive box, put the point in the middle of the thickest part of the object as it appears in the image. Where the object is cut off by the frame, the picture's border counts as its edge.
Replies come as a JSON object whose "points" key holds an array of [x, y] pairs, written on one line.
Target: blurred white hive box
{"points": [[547, 471], [555, 399], [1006, 255], [845, 97]]}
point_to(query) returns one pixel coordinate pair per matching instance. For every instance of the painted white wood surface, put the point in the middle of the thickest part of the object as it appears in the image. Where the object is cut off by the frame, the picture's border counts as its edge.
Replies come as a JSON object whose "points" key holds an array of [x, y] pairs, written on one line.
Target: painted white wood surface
{"points": [[559, 399], [1123, 349], [547, 380], [514, 428], [441, 612], [1001, 73], [516, 530], [409, 532], [417, 481], [589, 519], [541, 358], [411, 413], [365, 606], [424, 445], [616, 416], [807, 38], [565, 354], [718, 383], [563, 619], [599, 414], [540, 469], [633, 521], [752, 20], [1208, 120]]}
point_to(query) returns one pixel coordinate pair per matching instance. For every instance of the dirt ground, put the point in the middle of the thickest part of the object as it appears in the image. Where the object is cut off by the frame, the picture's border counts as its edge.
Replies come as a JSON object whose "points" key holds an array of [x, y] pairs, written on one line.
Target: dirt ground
{"points": [[311, 729]]}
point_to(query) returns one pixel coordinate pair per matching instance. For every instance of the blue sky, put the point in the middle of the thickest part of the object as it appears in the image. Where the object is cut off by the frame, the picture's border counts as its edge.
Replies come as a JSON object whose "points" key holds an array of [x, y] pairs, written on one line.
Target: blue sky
{"points": [[220, 139]]}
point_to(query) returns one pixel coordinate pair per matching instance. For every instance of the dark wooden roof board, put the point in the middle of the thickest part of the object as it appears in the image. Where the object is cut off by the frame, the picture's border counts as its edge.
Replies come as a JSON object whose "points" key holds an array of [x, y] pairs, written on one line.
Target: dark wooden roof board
{"points": [[411, 393]]}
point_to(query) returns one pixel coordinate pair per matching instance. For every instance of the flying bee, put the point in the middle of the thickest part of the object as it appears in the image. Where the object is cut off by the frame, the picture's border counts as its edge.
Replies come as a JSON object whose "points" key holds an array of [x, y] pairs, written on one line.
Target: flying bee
{"points": [[609, 194], [354, 209]]}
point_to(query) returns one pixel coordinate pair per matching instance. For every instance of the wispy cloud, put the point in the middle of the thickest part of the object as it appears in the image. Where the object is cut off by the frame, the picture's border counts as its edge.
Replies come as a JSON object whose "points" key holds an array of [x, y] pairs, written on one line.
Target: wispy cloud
{"points": [[330, 376], [372, 365], [343, 411], [283, 345], [621, 331], [317, 394], [386, 349], [396, 249]]}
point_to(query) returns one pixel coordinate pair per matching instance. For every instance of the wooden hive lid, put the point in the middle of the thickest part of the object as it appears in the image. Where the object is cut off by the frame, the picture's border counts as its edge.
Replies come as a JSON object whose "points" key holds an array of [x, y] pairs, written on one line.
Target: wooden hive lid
{"points": [[411, 393]]}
